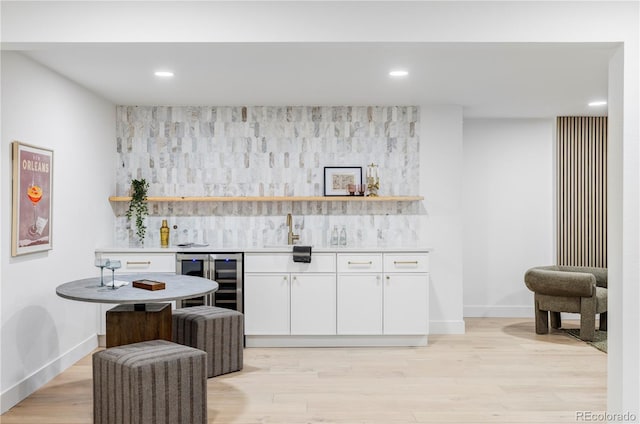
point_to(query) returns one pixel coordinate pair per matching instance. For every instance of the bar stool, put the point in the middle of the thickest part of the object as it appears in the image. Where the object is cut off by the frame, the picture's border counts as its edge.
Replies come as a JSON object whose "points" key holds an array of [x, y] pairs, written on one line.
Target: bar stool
{"points": [[217, 331], [152, 382]]}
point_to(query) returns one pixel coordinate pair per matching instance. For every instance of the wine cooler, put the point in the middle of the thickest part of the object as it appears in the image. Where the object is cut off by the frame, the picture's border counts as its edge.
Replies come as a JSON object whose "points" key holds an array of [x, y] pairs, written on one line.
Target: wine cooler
{"points": [[223, 268]]}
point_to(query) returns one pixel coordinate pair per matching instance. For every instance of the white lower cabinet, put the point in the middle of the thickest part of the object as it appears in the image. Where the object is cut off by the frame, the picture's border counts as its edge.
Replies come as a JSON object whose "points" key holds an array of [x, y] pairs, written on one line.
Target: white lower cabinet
{"points": [[406, 293], [359, 304], [313, 304], [266, 304], [300, 304], [359, 293], [340, 299], [281, 304], [283, 297], [406, 301]]}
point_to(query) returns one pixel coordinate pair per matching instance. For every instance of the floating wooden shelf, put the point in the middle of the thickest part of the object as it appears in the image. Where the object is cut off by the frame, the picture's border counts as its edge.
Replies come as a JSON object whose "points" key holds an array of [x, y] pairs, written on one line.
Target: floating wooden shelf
{"points": [[273, 199]]}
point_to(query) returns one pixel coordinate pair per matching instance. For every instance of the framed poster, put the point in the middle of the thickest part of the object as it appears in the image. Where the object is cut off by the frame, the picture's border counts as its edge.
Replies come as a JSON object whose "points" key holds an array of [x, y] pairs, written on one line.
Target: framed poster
{"points": [[338, 178], [32, 199]]}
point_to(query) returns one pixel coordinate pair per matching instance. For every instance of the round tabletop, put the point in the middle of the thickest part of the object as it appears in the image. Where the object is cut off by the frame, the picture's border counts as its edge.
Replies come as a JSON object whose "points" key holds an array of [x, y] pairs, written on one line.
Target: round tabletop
{"points": [[177, 287]]}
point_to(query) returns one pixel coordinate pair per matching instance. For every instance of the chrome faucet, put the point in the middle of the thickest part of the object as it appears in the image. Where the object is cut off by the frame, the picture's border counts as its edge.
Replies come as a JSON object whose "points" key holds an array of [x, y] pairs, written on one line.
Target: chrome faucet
{"points": [[291, 237]]}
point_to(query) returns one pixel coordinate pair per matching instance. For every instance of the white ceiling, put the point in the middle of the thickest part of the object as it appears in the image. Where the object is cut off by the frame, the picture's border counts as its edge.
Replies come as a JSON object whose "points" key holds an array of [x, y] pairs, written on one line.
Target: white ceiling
{"points": [[488, 80]]}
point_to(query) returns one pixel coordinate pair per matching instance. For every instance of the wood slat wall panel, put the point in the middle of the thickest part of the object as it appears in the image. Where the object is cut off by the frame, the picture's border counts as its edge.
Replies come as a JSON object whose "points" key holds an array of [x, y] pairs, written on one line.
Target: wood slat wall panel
{"points": [[582, 191]]}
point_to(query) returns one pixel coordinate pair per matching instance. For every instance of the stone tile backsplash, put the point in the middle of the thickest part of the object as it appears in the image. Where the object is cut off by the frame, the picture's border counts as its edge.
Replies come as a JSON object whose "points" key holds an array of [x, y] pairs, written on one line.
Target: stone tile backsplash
{"points": [[267, 151]]}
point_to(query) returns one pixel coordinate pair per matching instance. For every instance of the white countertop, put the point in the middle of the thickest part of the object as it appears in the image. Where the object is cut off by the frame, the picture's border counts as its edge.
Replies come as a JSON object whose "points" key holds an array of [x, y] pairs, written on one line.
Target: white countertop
{"points": [[267, 249]]}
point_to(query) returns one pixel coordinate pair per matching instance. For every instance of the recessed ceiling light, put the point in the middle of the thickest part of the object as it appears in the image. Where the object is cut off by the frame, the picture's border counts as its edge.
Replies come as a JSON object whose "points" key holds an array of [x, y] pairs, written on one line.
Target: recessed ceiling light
{"points": [[398, 73], [598, 103], [164, 74]]}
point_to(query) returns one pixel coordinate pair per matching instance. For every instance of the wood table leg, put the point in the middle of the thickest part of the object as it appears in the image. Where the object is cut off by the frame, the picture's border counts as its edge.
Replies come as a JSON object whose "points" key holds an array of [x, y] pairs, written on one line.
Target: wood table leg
{"points": [[130, 323]]}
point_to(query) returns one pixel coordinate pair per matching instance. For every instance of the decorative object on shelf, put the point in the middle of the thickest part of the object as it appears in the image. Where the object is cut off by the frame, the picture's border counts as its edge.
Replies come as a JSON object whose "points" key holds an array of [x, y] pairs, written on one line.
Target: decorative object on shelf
{"points": [[138, 206], [32, 199], [373, 180], [338, 178], [357, 189], [164, 234]]}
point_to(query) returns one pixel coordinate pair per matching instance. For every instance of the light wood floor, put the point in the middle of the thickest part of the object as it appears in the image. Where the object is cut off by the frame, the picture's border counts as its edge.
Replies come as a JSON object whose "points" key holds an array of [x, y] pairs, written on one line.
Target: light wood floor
{"points": [[499, 372]]}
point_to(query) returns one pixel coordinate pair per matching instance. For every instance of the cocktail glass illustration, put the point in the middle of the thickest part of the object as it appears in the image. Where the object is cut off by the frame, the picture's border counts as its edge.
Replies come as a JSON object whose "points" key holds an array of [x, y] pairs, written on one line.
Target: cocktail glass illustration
{"points": [[34, 193]]}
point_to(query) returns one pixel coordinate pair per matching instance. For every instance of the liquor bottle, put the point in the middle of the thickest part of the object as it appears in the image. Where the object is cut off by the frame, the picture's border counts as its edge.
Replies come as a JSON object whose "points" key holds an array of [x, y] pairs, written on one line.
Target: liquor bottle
{"points": [[164, 234]]}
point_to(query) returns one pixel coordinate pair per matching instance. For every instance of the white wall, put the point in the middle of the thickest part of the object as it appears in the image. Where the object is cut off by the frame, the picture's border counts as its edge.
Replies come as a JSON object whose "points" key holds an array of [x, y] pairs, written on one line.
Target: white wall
{"points": [[508, 212], [623, 230], [42, 334], [441, 169]]}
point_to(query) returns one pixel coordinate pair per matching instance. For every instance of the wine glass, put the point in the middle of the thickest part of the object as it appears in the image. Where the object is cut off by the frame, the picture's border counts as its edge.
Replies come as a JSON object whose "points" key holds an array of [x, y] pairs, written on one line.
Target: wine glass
{"points": [[101, 263], [113, 265]]}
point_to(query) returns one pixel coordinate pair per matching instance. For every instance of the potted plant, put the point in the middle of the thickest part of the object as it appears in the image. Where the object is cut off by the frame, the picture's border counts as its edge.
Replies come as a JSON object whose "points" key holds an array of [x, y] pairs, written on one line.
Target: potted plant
{"points": [[138, 206]]}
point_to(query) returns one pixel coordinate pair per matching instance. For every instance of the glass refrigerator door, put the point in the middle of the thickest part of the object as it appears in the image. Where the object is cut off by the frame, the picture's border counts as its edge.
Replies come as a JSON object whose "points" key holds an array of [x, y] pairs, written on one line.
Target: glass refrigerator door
{"points": [[197, 266]]}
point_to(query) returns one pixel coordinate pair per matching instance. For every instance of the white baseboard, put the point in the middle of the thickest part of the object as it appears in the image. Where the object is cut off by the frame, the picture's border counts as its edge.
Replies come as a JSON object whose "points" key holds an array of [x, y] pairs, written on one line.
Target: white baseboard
{"points": [[493, 311], [446, 327], [336, 341], [24, 388]]}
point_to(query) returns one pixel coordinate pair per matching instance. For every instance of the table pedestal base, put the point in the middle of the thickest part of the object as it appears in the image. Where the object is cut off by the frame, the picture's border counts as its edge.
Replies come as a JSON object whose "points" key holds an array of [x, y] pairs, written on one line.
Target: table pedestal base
{"points": [[131, 323]]}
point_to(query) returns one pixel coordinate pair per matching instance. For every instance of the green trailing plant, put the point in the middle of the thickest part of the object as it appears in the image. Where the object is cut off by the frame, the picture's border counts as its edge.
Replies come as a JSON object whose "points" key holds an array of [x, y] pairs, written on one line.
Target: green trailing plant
{"points": [[138, 206]]}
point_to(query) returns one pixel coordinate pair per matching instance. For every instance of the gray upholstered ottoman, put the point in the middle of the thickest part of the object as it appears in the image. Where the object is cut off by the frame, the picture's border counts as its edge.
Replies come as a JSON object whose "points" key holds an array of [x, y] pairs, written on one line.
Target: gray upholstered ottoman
{"points": [[217, 331], [154, 382]]}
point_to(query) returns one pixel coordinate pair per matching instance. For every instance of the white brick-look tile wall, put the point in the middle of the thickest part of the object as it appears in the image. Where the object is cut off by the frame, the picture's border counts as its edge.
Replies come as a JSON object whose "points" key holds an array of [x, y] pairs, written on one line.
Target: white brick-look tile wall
{"points": [[267, 151]]}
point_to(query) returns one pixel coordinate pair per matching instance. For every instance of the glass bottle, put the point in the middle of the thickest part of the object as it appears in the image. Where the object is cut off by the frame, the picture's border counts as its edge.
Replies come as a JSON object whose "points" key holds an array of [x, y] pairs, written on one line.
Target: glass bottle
{"points": [[343, 236], [334, 236], [164, 234]]}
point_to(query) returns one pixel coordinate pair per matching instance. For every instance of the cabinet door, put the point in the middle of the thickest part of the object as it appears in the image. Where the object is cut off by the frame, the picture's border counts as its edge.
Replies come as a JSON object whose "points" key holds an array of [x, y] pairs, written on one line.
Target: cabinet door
{"points": [[359, 304], [266, 304], [406, 300], [313, 304]]}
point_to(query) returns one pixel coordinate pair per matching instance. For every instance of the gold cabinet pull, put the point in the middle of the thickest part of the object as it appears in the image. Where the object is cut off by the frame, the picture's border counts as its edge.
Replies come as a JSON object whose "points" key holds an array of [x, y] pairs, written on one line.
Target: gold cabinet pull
{"points": [[405, 262], [138, 262], [360, 263]]}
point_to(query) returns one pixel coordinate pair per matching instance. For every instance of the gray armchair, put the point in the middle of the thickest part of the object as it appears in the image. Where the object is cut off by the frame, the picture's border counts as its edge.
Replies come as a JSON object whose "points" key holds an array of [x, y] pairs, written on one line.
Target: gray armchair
{"points": [[559, 289]]}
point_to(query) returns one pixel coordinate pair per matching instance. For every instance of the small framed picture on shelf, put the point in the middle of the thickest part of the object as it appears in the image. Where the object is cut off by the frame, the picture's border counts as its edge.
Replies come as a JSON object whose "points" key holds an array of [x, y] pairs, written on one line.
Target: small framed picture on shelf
{"points": [[338, 180]]}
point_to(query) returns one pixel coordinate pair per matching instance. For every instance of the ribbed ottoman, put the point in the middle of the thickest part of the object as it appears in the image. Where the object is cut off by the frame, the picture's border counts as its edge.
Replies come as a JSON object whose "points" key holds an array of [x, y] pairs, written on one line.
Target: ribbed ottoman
{"points": [[153, 382], [217, 331]]}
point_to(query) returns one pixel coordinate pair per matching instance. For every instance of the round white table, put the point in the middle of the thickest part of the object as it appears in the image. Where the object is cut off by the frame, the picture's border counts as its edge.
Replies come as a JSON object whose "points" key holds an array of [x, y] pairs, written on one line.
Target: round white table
{"points": [[139, 315]]}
